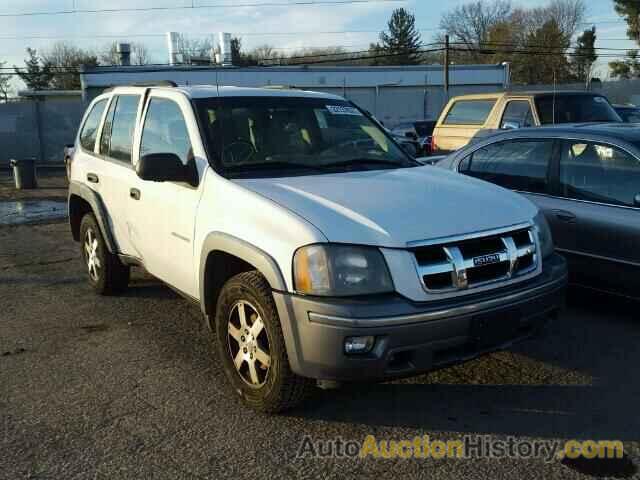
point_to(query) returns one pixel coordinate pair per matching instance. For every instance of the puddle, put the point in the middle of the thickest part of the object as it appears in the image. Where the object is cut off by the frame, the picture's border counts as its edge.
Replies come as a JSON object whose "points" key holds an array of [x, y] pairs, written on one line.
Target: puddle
{"points": [[25, 211]]}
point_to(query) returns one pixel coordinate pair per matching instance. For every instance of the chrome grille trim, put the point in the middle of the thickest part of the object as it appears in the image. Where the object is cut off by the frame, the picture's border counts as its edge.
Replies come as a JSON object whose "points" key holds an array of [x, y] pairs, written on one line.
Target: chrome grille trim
{"points": [[490, 264]]}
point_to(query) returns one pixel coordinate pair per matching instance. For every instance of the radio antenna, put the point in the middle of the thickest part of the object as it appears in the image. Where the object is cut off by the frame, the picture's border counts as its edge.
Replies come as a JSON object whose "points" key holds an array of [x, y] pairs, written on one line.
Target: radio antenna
{"points": [[553, 108]]}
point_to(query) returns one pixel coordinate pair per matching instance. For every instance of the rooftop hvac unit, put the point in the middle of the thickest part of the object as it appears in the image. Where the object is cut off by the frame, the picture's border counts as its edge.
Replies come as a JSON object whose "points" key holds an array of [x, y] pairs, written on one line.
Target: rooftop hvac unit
{"points": [[225, 49]]}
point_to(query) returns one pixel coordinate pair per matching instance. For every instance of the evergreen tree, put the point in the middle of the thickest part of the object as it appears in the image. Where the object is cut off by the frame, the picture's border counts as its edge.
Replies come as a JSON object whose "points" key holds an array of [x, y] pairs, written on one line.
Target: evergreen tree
{"points": [[629, 67], [585, 55], [37, 74], [402, 42]]}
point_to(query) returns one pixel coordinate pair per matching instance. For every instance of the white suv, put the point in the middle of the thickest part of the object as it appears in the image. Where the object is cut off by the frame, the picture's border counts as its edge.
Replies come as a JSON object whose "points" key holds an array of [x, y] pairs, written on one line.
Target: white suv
{"points": [[317, 249]]}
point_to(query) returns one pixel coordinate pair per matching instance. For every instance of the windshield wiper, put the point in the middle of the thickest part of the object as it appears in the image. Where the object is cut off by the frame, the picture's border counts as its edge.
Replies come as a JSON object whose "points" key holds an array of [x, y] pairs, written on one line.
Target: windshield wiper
{"points": [[364, 161], [247, 167]]}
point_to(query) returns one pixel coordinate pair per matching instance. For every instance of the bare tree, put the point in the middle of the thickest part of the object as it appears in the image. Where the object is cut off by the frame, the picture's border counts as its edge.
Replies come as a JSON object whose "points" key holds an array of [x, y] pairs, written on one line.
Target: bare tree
{"points": [[195, 47], [139, 54], [264, 52], [470, 23], [568, 15], [5, 84], [64, 58]]}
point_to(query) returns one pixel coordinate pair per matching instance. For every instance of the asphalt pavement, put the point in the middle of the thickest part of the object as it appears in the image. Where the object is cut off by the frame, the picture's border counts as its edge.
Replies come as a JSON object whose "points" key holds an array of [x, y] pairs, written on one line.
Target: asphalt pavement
{"points": [[130, 387]]}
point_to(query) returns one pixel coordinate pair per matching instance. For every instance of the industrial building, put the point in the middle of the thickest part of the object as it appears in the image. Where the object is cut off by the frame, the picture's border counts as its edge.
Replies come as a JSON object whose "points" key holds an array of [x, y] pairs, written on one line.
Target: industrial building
{"points": [[392, 94]]}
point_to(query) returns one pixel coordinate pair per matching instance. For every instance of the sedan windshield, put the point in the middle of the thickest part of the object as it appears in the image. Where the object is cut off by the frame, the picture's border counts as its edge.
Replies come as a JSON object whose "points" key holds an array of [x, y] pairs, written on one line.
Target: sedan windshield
{"points": [[282, 136]]}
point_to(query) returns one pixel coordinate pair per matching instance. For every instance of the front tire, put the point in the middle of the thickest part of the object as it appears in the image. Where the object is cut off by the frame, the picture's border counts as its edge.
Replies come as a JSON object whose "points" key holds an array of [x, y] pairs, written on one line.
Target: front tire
{"points": [[251, 346], [107, 274]]}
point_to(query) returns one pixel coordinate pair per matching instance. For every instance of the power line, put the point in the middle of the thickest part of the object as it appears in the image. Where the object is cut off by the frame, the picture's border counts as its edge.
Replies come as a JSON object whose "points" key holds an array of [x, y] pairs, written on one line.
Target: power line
{"points": [[528, 46], [199, 34], [296, 3]]}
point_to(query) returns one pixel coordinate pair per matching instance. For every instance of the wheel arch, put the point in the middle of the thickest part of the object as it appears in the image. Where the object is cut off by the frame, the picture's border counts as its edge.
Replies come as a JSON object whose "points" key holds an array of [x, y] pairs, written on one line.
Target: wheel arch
{"points": [[222, 257], [83, 200]]}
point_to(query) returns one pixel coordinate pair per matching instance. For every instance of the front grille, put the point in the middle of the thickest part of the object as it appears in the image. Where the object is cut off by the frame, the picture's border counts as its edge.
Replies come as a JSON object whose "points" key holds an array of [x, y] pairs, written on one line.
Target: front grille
{"points": [[472, 262]]}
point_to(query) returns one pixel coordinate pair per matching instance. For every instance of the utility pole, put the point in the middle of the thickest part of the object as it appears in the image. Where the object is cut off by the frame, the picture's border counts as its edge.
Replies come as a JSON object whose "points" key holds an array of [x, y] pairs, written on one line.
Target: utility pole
{"points": [[446, 67]]}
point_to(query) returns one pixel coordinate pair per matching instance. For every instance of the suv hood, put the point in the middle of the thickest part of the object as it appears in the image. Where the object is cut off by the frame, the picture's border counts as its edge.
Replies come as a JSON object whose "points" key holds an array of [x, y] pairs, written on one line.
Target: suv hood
{"points": [[389, 208]]}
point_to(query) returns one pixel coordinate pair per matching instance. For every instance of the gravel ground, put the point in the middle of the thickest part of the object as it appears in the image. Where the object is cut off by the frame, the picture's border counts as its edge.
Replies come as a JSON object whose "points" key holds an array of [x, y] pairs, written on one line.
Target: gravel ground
{"points": [[128, 387]]}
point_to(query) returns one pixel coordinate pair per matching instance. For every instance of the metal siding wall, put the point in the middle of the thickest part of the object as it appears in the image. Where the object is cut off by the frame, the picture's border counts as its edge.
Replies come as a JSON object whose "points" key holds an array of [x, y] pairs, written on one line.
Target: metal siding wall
{"points": [[58, 121], [18, 133]]}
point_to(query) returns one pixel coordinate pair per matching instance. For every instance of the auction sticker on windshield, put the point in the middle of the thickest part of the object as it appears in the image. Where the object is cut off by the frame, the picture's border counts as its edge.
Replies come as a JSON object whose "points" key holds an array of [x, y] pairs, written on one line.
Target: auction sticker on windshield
{"points": [[343, 110]]}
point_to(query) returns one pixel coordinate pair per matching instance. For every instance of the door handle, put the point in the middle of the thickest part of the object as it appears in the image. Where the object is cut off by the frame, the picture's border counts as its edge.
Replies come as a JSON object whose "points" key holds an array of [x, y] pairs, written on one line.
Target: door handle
{"points": [[565, 216], [92, 177], [134, 193]]}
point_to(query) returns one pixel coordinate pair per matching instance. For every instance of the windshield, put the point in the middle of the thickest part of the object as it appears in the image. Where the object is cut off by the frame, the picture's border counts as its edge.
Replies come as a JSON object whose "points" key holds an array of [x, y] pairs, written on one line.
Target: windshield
{"points": [[282, 136], [575, 109]]}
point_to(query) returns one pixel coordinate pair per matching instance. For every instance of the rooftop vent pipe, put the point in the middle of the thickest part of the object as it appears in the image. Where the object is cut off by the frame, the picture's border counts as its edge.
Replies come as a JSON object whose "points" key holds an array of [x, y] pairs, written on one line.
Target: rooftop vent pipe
{"points": [[172, 46], [225, 49]]}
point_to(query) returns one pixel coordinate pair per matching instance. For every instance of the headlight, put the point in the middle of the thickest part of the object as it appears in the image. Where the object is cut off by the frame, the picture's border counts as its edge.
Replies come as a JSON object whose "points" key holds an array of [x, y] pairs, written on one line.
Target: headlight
{"points": [[340, 270], [544, 234]]}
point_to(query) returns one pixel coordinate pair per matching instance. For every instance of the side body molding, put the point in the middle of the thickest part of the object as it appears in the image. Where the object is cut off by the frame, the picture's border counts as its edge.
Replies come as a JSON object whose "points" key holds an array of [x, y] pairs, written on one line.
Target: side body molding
{"points": [[97, 205], [262, 261]]}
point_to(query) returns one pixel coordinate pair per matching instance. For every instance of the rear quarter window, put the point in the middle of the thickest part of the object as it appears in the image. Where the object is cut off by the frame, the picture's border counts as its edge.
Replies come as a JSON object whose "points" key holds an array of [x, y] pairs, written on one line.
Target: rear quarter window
{"points": [[89, 131], [469, 112]]}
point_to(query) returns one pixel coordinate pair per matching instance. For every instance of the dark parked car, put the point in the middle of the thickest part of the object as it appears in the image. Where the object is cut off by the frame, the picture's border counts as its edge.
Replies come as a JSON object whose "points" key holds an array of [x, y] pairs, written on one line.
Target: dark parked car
{"points": [[628, 113], [418, 131], [586, 179]]}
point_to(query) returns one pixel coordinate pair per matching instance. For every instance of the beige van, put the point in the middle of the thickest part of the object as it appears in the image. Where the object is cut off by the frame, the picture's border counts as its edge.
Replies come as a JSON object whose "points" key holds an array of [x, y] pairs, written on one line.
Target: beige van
{"points": [[464, 116]]}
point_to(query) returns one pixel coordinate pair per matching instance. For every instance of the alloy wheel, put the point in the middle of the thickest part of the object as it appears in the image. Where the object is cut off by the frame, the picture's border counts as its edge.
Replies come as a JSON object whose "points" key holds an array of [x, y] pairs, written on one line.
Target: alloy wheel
{"points": [[91, 254], [248, 344]]}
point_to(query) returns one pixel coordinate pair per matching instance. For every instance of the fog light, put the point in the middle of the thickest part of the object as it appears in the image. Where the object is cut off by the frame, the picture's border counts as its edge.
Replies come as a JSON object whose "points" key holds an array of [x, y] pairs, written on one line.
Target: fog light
{"points": [[355, 345]]}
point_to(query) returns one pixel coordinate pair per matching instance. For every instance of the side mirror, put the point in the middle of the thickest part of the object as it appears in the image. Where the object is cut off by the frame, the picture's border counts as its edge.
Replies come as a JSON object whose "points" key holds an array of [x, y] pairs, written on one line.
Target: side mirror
{"points": [[411, 135], [166, 167], [510, 125], [636, 200]]}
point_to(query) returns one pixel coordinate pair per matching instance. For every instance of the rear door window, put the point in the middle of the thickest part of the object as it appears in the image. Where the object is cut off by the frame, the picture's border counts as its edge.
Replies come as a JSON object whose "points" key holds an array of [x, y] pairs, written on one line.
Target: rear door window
{"points": [[124, 122], [516, 164], [599, 173], [89, 131], [517, 114], [469, 112]]}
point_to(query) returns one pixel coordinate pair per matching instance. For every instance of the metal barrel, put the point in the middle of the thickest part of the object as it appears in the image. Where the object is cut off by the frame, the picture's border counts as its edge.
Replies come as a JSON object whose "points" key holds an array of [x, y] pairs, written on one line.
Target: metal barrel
{"points": [[24, 173]]}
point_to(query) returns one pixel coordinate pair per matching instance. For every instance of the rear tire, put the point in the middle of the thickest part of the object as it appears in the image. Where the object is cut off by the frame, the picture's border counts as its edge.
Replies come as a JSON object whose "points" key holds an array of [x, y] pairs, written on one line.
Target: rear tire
{"points": [[107, 275], [251, 346]]}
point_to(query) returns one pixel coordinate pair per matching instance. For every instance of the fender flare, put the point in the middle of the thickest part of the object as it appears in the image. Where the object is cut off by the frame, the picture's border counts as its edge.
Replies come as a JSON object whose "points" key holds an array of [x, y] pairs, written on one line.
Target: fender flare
{"points": [[262, 261], [97, 206]]}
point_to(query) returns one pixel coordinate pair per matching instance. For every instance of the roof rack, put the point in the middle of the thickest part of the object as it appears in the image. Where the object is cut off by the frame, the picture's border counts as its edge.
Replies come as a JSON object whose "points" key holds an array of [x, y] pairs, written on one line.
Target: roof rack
{"points": [[154, 83]]}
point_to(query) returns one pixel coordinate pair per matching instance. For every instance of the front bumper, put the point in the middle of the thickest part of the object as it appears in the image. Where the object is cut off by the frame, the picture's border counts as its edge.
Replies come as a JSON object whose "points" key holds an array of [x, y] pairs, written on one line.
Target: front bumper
{"points": [[413, 338]]}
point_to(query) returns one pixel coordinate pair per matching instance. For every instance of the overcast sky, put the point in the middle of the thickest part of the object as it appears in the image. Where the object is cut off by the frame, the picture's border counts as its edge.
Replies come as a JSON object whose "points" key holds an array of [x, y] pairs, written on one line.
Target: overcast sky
{"points": [[253, 24]]}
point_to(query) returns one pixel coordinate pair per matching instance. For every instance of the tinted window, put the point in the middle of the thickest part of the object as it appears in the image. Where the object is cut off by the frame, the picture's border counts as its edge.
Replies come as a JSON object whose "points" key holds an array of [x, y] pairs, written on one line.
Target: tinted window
{"points": [[517, 164], [518, 114], [165, 130], [124, 122], [629, 115], [575, 109], [89, 131], [469, 112], [599, 173], [106, 129]]}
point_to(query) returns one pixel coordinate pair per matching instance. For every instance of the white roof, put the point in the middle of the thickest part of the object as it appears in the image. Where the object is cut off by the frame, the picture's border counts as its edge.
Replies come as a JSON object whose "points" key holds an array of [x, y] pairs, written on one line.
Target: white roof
{"points": [[207, 91]]}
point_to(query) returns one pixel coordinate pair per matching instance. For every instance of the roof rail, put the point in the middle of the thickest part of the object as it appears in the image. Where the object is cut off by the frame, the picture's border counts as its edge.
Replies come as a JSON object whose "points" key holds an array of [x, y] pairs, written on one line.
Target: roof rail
{"points": [[281, 87], [155, 83]]}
